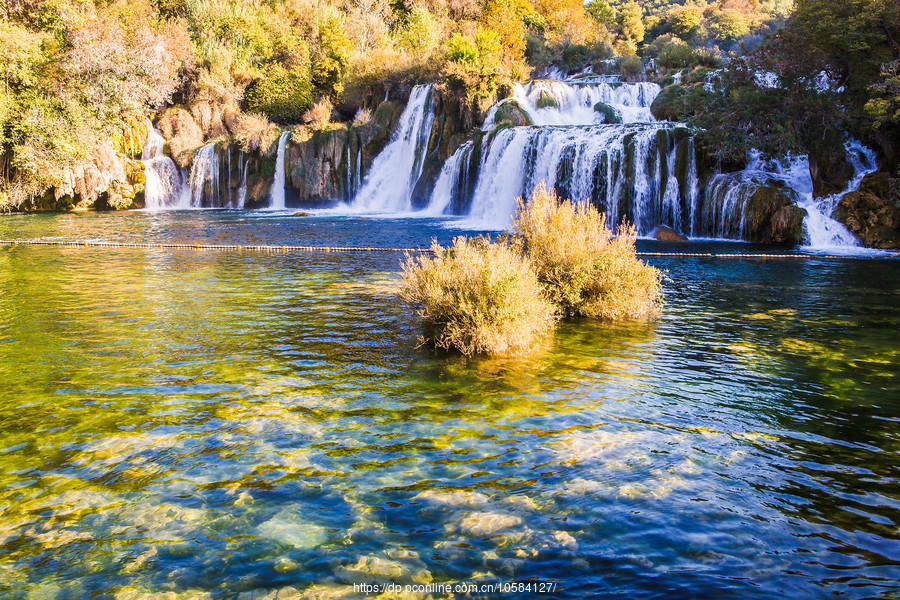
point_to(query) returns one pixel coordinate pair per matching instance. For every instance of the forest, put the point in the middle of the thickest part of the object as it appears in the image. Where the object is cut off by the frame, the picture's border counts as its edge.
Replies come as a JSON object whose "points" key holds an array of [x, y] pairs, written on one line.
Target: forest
{"points": [[81, 76]]}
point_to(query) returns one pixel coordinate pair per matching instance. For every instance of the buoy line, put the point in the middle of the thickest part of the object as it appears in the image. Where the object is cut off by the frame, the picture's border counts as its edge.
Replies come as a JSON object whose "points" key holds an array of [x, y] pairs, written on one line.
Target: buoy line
{"points": [[349, 249]]}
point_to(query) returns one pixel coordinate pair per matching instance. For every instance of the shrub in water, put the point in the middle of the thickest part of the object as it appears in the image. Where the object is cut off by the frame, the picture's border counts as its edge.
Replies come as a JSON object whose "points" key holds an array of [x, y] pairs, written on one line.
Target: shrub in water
{"points": [[586, 270], [477, 296]]}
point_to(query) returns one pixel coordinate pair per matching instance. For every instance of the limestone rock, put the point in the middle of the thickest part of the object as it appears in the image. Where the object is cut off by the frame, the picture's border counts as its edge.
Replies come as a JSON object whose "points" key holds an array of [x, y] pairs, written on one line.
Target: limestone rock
{"points": [[182, 133], [510, 113], [772, 215], [667, 234], [872, 212], [610, 114]]}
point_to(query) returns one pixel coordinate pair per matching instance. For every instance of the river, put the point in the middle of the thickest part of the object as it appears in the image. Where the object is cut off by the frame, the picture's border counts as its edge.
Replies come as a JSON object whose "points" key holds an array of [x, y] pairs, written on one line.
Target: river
{"points": [[204, 423]]}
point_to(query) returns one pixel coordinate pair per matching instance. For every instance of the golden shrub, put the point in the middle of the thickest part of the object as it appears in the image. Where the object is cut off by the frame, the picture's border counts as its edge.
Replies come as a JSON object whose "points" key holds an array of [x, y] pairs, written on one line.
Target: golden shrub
{"points": [[478, 297], [587, 271]]}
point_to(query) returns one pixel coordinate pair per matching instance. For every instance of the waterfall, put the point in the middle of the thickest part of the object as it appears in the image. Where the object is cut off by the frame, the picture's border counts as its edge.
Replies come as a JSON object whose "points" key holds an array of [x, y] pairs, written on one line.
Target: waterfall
{"points": [[243, 164], [164, 185], [452, 184], [821, 230], [390, 182], [629, 171], [549, 102], [276, 195], [204, 178], [725, 210]]}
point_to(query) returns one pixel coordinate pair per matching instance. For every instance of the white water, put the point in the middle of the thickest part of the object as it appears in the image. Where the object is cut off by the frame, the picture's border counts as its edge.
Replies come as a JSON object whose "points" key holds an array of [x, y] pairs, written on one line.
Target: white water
{"points": [[276, 195], [822, 232], [573, 103], [204, 178], [389, 185], [453, 174], [587, 163], [568, 150], [164, 185]]}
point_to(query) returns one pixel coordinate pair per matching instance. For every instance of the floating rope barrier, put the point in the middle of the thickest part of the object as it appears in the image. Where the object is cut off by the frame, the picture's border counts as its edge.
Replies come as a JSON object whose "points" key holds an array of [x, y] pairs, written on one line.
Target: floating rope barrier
{"points": [[349, 249]]}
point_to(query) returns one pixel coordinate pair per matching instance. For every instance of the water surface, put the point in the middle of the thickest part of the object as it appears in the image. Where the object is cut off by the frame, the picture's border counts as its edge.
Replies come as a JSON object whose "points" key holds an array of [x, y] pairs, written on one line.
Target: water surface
{"points": [[207, 423]]}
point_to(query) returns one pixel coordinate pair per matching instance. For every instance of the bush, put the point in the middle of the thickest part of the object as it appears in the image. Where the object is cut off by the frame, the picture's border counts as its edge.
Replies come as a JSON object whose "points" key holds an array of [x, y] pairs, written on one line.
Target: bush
{"points": [[587, 272], [255, 133], [283, 95], [477, 296], [676, 55], [319, 116]]}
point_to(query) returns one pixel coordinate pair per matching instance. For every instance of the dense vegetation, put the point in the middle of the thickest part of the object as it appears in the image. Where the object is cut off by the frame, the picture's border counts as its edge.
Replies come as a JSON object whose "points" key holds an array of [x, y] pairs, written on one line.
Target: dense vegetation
{"points": [[81, 76], [832, 70], [559, 260]]}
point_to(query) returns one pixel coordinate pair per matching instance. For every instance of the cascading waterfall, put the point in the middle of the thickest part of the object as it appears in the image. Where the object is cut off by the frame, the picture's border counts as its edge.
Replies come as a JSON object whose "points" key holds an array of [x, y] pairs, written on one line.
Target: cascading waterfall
{"points": [[204, 180], [277, 195], [724, 213], [630, 171], [549, 102], [164, 185], [642, 171], [243, 165], [821, 231], [452, 184], [390, 182]]}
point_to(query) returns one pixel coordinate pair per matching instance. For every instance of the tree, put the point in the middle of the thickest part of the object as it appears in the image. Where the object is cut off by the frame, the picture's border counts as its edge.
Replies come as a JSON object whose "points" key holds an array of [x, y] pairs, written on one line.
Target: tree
{"points": [[602, 12], [728, 26], [631, 24], [686, 23]]}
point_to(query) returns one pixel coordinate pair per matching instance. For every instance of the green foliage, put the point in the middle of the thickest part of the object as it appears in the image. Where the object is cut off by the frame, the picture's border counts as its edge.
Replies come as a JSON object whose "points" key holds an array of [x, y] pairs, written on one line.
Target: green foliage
{"points": [[884, 106], [586, 271], [476, 63], [686, 23], [335, 48], [602, 12], [478, 297], [631, 22], [420, 33], [282, 95], [729, 25]]}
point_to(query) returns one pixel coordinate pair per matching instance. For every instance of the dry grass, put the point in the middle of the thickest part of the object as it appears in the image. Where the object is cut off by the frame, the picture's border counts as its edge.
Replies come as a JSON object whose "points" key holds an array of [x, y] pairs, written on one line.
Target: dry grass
{"points": [[363, 117], [255, 133], [478, 297], [586, 270], [319, 116]]}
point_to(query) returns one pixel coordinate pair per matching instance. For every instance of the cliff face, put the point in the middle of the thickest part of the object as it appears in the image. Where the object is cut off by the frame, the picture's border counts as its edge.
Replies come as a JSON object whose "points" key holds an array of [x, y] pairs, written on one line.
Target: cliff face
{"points": [[327, 166]]}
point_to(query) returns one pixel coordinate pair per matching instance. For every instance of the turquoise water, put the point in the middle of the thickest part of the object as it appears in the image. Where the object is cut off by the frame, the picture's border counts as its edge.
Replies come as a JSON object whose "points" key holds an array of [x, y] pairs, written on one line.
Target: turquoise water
{"points": [[208, 423]]}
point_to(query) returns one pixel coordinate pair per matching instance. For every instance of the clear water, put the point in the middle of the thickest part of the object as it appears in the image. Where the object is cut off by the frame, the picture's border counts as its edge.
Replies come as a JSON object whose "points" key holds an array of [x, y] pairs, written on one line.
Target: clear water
{"points": [[206, 423]]}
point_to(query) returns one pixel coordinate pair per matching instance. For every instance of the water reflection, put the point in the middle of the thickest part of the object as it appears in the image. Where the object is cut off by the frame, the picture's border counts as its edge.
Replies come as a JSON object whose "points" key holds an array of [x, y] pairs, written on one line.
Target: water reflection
{"points": [[204, 424]]}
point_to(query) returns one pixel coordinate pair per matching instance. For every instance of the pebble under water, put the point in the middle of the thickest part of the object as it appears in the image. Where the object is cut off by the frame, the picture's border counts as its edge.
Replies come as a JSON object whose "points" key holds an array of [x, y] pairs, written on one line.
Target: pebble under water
{"points": [[211, 424]]}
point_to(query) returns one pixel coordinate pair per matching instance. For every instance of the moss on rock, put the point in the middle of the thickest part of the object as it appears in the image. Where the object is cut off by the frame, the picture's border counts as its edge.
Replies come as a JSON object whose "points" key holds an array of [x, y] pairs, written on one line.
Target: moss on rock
{"points": [[872, 212]]}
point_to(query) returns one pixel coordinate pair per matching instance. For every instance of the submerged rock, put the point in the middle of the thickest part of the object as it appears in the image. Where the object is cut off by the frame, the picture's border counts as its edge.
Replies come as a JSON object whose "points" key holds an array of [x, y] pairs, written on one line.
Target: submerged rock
{"points": [[483, 524], [872, 213], [667, 234], [610, 114]]}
